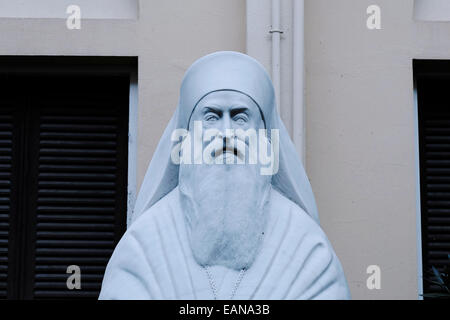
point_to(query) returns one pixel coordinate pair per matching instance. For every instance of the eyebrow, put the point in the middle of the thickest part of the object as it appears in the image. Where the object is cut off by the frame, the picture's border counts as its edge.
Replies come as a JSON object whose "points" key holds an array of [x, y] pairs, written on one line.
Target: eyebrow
{"points": [[234, 109], [239, 109], [212, 109]]}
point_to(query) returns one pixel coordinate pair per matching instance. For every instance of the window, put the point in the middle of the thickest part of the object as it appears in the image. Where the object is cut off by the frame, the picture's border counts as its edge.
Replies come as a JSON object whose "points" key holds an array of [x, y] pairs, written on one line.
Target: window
{"points": [[63, 172], [433, 87]]}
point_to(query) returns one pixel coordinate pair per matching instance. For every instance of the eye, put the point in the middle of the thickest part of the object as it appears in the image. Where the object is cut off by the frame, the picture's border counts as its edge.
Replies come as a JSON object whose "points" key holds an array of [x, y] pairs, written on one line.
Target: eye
{"points": [[211, 117], [241, 118]]}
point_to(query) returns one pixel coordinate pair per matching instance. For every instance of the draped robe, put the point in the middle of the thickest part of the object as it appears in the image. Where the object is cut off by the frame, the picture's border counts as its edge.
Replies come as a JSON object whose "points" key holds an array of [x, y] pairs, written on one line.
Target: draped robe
{"points": [[153, 260]]}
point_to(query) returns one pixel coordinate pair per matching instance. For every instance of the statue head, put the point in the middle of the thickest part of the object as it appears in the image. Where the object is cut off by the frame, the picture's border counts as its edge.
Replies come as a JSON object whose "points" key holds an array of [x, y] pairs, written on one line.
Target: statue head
{"points": [[226, 99]]}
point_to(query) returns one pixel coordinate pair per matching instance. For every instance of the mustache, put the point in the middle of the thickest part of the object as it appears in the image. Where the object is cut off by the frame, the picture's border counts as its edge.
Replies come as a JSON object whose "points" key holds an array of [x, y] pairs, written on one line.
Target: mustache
{"points": [[226, 149], [221, 146]]}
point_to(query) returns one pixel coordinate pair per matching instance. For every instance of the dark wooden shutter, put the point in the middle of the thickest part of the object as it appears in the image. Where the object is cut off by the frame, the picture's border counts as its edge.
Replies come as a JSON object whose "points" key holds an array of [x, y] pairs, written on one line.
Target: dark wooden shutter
{"points": [[434, 142], [5, 196], [12, 106], [63, 180], [6, 177], [81, 181]]}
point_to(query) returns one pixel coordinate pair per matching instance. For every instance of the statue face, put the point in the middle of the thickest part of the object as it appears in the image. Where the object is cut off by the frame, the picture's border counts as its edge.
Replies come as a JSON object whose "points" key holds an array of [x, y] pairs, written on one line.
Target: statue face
{"points": [[224, 204], [227, 110], [227, 115]]}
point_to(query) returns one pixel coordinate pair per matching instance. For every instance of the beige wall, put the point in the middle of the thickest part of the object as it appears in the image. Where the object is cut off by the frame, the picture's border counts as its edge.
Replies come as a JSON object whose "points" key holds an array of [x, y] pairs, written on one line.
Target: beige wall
{"points": [[361, 135]]}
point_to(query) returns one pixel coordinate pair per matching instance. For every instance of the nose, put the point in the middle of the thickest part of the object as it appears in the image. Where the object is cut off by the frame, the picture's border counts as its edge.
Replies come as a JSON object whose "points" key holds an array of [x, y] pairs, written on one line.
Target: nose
{"points": [[224, 127], [225, 123]]}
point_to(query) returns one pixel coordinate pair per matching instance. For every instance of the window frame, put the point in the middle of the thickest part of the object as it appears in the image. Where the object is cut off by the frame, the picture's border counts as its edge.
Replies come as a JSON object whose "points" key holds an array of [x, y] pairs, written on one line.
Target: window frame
{"points": [[94, 65], [423, 69], [76, 65]]}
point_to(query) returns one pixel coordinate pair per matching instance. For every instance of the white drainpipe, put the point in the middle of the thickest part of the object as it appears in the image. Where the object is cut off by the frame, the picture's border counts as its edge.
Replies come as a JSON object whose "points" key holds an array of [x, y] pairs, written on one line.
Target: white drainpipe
{"points": [[276, 38], [259, 13], [298, 53]]}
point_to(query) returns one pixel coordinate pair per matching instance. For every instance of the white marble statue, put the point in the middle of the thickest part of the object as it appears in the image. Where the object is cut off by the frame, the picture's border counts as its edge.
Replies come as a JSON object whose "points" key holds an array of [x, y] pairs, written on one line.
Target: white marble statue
{"points": [[209, 222]]}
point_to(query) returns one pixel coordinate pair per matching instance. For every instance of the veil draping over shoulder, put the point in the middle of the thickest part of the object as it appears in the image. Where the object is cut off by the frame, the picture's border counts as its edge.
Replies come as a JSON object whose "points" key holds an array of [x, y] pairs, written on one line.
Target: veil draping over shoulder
{"points": [[226, 70]]}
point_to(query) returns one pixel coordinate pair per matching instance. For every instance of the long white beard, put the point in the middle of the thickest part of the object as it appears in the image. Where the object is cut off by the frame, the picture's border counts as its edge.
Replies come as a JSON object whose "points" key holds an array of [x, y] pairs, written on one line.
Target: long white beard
{"points": [[226, 212]]}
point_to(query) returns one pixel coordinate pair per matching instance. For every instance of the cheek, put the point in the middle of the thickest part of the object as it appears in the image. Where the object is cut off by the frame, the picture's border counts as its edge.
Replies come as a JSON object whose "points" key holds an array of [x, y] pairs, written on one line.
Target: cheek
{"points": [[209, 124], [256, 123]]}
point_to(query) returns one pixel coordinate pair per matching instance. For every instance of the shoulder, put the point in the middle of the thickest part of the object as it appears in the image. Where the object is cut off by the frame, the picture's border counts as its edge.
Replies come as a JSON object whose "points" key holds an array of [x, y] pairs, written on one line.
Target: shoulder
{"points": [[300, 220], [130, 272], [159, 208], [143, 236], [314, 251], [144, 227]]}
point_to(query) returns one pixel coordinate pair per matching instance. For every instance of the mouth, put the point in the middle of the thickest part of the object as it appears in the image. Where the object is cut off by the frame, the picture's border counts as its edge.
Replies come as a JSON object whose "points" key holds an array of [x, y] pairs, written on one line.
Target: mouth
{"points": [[228, 152]]}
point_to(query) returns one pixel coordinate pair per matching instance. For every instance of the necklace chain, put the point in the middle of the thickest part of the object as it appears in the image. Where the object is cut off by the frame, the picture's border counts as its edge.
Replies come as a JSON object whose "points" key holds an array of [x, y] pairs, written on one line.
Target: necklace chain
{"points": [[212, 284]]}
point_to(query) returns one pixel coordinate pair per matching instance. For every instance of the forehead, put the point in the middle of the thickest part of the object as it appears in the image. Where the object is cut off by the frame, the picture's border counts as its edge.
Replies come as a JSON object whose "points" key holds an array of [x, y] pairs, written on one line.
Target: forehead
{"points": [[227, 99]]}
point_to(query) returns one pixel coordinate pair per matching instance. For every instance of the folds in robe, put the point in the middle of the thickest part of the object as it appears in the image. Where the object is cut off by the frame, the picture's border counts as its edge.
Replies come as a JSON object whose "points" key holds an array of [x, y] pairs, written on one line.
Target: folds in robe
{"points": [[153, 260]]}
